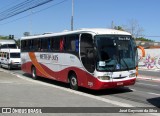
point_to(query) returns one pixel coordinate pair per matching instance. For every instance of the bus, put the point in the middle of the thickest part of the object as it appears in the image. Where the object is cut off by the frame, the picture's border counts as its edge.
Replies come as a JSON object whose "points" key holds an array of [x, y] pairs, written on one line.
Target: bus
{"points": [[91, 58]]}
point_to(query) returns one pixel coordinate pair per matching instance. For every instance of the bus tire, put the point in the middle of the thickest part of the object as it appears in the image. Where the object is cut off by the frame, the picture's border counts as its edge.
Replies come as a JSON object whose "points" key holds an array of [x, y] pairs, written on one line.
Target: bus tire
{"points": [[34, 74], [73, 81]]}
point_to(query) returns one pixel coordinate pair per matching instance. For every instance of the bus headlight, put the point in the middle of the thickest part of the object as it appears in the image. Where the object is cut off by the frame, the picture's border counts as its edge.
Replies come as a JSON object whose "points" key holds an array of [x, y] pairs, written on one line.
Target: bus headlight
{"points": [[132, 75], [104, 77]]}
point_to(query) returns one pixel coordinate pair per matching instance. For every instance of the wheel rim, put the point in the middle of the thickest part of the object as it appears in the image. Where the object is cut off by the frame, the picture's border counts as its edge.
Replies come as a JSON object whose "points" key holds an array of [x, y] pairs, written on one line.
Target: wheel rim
{"points": [[74, 81], [33, 73]]}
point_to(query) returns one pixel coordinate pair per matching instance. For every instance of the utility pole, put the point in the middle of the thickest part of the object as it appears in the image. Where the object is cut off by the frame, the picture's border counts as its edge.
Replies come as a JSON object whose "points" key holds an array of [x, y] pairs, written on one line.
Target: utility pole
{"points": [[31, 22], [72, 15], [112, 25]]}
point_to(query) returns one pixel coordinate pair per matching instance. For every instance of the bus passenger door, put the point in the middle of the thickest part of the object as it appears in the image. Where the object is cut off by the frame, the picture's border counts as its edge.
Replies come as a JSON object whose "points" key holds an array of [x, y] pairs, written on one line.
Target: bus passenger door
{"points": [[87, 52]]}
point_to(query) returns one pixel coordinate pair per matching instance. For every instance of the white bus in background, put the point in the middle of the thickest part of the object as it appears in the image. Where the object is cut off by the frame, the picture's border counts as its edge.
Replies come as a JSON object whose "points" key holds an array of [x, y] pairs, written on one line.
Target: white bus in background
{"points": [[91, 58], [7, 44], [10, 58]]}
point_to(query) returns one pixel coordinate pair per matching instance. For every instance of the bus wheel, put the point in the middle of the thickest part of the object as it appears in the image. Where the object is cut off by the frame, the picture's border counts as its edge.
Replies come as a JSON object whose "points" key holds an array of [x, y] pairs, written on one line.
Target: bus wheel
{"points": [[73, 81], [34, 75]]}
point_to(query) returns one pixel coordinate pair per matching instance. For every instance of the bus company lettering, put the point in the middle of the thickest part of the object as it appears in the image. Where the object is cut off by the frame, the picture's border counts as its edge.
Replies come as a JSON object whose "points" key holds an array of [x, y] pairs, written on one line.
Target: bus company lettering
{"points": [[49, 57]]}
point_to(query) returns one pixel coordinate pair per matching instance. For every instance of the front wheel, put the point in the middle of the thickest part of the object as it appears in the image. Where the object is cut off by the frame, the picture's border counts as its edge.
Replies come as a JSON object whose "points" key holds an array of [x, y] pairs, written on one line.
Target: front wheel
{"points": [[73, 81], [34, 74]]}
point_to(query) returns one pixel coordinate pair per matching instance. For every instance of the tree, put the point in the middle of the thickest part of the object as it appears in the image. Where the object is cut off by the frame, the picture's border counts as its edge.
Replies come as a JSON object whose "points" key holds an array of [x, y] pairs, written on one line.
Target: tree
{"points": [[119, 28], [144, 39], [18, 43], [3, 37], [26, 33], [135, 29]]}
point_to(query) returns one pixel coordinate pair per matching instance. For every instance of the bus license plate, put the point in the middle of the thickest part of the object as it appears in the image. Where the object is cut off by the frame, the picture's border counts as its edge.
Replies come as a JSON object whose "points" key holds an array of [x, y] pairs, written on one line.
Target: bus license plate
{"points": [[120, 83]]}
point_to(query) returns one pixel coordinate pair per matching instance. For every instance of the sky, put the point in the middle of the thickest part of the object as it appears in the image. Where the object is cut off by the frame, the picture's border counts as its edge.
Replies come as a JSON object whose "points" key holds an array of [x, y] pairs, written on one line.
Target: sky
{"points": [[87, 14]]}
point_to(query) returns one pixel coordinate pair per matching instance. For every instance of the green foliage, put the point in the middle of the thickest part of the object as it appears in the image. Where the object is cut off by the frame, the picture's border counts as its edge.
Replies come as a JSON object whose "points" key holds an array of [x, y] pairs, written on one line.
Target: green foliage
{"points": [[119, 28], [18, 43], [3, 37], [26, 33], [7, 37], [144, 39]]}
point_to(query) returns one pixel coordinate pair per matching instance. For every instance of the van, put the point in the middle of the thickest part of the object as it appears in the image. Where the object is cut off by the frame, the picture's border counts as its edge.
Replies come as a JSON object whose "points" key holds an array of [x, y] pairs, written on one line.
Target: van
{"points": [[10, 58], [8, 44]]}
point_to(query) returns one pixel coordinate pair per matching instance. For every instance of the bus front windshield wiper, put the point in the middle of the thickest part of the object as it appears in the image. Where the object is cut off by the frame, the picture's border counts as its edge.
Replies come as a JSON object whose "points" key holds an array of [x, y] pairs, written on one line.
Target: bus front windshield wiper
{"points": [[125, 63], [117, 62]]}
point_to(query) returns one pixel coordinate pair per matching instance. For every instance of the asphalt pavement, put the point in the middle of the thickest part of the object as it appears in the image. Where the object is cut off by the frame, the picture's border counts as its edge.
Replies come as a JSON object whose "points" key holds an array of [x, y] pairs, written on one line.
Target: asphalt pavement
{"points": [[153, 75], [19, 90]]}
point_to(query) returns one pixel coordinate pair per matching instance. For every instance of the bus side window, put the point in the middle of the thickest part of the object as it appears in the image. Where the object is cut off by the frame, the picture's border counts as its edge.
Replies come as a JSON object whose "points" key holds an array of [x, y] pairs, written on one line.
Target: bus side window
{"points": [[39, 45], [77, 45], [61, 44], [55, 44], [72, 43], [28, 45], [44, 44], [34, 44], [24, 45], [49, 45]]}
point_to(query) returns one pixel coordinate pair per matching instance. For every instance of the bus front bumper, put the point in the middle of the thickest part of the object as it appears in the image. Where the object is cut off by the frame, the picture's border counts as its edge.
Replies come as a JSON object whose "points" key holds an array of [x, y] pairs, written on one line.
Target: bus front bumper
{"points": [[114, 84]]}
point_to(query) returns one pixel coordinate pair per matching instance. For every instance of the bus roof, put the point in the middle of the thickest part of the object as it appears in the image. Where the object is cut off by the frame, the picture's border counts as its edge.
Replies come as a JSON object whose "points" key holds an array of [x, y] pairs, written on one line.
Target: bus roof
{"points": [[96, 31]]}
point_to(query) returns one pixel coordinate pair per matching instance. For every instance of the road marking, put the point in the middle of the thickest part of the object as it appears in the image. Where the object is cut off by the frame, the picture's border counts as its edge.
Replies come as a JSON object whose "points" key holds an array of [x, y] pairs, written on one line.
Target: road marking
{"points": [[147, 84], [5, 82], [151, 70], [148, 78], [146, 92], [154, 93], [133, 89]]}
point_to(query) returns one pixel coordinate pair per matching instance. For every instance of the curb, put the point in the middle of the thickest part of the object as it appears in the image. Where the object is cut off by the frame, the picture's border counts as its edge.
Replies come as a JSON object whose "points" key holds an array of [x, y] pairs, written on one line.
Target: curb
{"points": [[154, 70], [143, 77]]}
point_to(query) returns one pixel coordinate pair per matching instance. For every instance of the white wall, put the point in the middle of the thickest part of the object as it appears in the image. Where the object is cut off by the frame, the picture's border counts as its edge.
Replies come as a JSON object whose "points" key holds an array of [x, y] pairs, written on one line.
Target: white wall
{"points": [[151, 60]]}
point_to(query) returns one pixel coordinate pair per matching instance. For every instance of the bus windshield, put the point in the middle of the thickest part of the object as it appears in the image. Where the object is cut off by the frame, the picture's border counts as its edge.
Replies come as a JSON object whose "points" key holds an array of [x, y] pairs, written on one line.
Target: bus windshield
{"points": [[14, 55], [115, 53]]}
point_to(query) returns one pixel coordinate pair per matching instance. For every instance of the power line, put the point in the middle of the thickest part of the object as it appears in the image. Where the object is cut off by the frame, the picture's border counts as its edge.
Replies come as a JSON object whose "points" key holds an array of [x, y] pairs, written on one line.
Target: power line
{"points": [[22, 7], [16, 1], [33, 13]]}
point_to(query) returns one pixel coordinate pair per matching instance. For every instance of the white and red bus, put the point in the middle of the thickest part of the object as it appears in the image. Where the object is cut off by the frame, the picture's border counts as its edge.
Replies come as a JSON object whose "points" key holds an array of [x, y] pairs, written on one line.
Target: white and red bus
{"points": [[90, 58]]}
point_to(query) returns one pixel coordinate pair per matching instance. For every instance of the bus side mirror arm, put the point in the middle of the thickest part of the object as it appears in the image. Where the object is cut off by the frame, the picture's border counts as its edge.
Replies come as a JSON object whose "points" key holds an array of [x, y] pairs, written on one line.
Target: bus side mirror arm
{"points": [[143, 55], [143, 51]]}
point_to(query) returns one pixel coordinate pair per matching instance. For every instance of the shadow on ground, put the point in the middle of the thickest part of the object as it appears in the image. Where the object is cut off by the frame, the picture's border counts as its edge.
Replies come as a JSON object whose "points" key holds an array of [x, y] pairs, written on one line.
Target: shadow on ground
{"points": [[85, 90], [155, 101]]}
